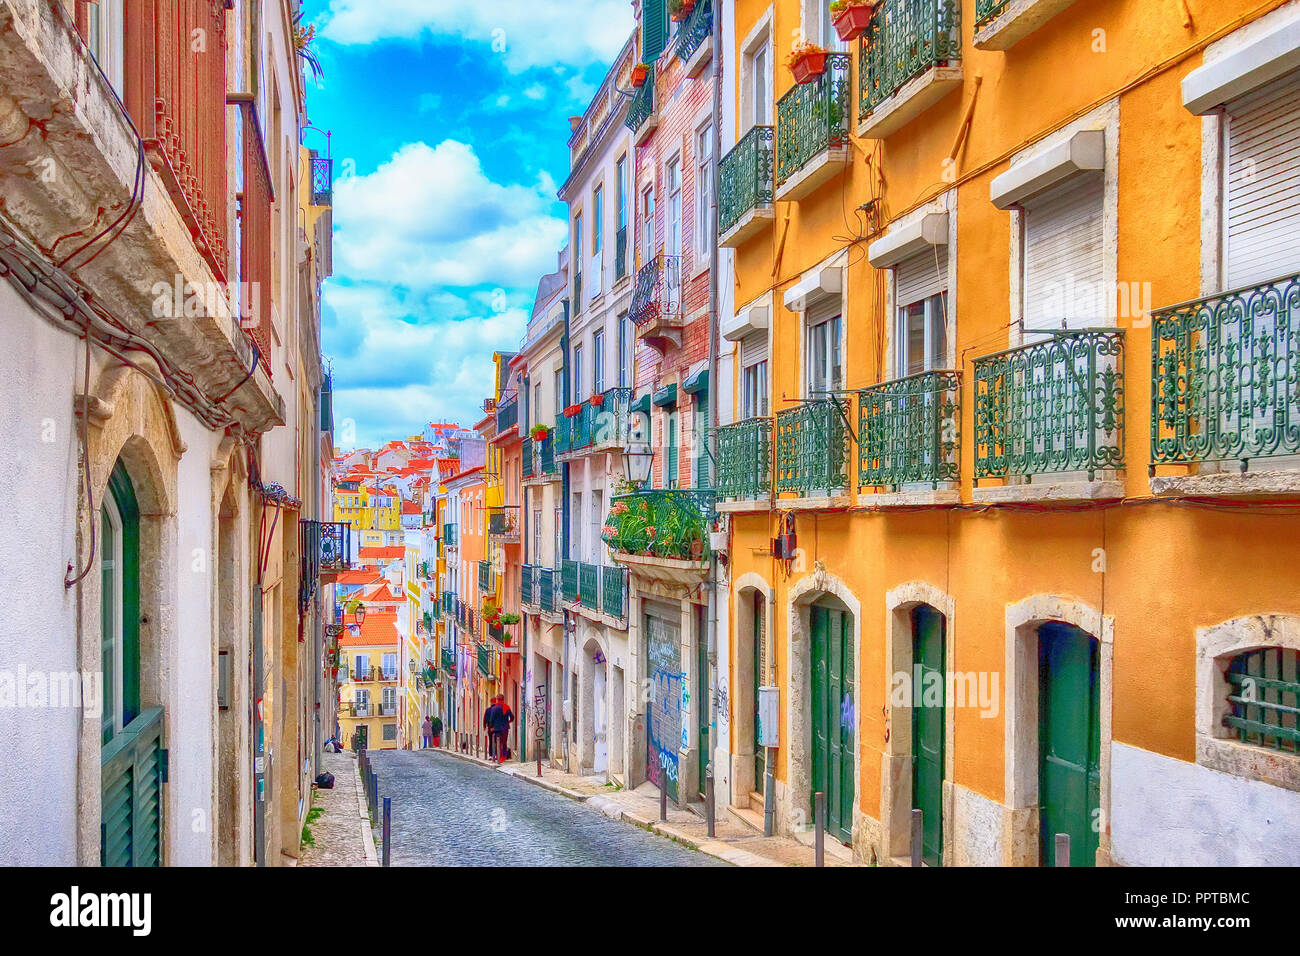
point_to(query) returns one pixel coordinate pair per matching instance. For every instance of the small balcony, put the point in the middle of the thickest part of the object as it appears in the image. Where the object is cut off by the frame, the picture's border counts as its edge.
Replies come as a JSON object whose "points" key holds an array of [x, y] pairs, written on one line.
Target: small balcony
{"points": [[1224, 399], [484, 660], [662, 533], [620, 252], [812, 450], [589, 586], [448, 662], [486, 580], [692, 45], [527, 459], [449, 536], [642, 116], [507, 413], [907, 432], [322, 180], [657, 300], [569, 581], [909, 59], [1052, 408], [745, 461], [812, 131], [504, 523], [545, 589], [1001, 24], [613, 592], [527, 586], [745, 187], [539, 458]]}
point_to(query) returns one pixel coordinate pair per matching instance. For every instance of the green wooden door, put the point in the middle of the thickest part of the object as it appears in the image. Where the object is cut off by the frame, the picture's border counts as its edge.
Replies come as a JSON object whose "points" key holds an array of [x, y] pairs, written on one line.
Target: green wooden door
{"points": [[832, 716], [760, 624], [927, 728], [1069, 741]]}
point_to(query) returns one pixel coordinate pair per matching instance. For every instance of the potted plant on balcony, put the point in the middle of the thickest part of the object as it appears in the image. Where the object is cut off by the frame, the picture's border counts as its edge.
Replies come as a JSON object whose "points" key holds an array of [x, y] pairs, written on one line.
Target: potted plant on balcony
{"points": [[806, 61], [639, 74], [573, 411], [679, 10], [538, 432], [597, 400], [851, 17]]}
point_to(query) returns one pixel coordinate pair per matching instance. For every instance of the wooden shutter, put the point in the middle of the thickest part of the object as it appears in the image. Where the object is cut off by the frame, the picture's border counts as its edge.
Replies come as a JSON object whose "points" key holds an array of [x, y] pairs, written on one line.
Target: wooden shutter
{"points": [[1063, 255], [921, 276], [1263, 184], [654, 30], [131, 779]]}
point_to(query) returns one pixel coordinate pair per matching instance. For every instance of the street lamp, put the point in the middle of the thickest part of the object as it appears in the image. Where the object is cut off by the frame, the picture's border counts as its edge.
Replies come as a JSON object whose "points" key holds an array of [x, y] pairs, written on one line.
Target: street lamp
{"points": [[638, 454], [359, 613]]}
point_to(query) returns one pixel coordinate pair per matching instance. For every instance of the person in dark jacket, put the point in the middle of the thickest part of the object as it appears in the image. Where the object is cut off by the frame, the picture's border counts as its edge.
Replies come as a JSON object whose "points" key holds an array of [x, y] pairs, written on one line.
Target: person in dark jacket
{"points": [[502, 720], [490, 717]]}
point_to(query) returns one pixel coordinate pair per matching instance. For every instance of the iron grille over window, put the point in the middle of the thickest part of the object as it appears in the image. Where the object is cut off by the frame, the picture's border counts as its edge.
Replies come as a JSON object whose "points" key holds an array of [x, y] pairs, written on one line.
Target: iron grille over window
{"points": [[1264, 698]]}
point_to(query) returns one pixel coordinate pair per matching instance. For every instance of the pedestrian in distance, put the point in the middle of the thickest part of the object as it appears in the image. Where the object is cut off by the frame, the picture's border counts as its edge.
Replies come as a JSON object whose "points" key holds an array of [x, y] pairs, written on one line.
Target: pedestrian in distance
{"points": [[489, 725], [427, 730], [502, 718]]}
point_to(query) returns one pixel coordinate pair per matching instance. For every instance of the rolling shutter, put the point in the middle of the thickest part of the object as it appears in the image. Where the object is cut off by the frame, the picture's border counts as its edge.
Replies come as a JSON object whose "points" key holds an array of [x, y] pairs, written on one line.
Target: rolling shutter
{"points": [[753, 348], [1063, 255], [1263, 184], [654, 29], [921, 276]]}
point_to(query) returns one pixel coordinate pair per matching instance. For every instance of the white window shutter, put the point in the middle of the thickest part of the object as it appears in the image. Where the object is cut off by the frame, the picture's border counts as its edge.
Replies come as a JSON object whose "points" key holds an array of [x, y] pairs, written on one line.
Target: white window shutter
{"points": [[1263, 184], [1063, 255], [921, 276]]}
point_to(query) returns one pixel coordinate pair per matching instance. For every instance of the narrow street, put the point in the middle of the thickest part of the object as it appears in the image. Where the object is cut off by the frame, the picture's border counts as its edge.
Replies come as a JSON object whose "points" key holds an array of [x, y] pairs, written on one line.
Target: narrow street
{"points": [[449, 812]]}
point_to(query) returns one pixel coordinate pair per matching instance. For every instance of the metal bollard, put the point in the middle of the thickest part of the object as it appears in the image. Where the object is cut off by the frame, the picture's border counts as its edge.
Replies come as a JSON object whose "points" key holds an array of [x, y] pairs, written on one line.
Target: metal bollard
{"points": [[819, 829], [1062, 850], [918, 838], [663, 797], [388, 828], [709, 805], [539, 758]]}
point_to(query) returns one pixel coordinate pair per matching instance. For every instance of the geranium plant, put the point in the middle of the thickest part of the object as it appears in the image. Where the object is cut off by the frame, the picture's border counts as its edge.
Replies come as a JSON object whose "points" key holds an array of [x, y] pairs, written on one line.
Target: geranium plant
{"points": [[538, 432]]}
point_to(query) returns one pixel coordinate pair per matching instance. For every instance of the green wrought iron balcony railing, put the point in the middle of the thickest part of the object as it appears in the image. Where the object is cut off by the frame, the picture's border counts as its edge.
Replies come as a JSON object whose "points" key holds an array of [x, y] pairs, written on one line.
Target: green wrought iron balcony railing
{"points": [[569, 581], [642, 106], [504, 522], [1051, 406], [812, 448], [613, 591], [1226, 376], [610, 419], [527, 586], [448, 661], [560, 435], [695, 29], [579, 425], [745, 177], [507, 413], [986, 11], [527, 458], [904, 40], [907, 430], [589, 586], [745, 460], [663, 523], [545, 589], [449, 535], [485, 582], [620, 253], [812, 118], [484, 660]]}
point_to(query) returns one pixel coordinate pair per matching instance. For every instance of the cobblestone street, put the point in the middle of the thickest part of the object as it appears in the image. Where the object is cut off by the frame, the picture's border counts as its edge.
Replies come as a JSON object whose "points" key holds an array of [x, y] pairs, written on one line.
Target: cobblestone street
{"points": [[450, 812], [338, 837]]}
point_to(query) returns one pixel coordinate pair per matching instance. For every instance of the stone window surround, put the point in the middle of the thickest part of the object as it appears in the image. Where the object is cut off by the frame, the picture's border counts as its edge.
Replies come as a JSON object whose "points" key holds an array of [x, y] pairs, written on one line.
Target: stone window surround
{"points": [[1215, 748], [1020, 695], [759, 34]]}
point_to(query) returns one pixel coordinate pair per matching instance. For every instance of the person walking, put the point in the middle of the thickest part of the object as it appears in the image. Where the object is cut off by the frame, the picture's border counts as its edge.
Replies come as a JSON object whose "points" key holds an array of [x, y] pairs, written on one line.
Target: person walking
{"points": [[490, 717], [427, 729], [502, 720]]}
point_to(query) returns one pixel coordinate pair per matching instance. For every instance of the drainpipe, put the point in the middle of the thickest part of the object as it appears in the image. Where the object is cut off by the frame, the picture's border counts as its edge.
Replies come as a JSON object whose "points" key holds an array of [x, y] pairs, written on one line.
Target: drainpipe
{"points": [[714, 391], [564, 539]]}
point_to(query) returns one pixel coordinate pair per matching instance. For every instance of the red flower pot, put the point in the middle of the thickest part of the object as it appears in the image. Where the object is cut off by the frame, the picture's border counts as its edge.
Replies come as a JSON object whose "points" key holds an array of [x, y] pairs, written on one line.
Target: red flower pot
{"points": [[852, 22], [808, 67], [597, 400], [639, 74]]}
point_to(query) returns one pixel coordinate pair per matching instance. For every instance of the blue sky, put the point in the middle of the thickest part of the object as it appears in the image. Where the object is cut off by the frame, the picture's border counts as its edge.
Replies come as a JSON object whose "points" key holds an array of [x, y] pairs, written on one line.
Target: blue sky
{"points": [[449, 124]]}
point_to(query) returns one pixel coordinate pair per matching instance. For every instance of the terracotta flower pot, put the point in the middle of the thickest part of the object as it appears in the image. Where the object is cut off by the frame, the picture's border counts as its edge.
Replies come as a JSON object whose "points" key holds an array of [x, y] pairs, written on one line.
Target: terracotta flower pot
{"points": [[639, 73], [852, 22], [597, 400], [808, 67]]}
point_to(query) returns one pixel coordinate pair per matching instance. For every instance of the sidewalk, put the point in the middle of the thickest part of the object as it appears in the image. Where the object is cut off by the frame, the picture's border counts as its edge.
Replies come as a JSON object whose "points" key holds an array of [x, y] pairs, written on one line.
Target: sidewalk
{"points": [[341, 834], [733, 842]]}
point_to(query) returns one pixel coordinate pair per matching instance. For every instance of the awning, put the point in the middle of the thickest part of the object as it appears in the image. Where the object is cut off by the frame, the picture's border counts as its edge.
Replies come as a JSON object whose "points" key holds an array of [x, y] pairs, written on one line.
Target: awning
{"points": [[666, 396]]}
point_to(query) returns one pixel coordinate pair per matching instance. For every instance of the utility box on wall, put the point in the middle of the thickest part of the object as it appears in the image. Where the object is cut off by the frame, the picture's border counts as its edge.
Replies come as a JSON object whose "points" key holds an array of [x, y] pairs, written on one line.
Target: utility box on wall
{"points": [[769, 716]]}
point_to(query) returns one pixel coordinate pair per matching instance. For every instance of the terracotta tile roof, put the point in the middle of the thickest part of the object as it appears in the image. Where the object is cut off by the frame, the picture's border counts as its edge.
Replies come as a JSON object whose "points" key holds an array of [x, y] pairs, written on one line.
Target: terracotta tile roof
{"points": [[381, 593], [363, 576], [410, 508], [378, 629], [392, 551]]}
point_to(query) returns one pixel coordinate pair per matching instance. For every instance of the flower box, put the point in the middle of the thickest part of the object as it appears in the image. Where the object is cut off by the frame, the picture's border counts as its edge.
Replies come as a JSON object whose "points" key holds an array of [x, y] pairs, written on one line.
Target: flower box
{"points": [[852, 20], [806, 67], [639, 74], [597, 400], [573, 411], [538, 433]]}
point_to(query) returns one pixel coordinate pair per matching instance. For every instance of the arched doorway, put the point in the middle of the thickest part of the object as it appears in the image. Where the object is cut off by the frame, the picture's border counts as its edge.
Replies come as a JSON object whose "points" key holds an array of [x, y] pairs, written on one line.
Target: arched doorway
{"points": [[593, 727], [130, 736], [929, 688], [831, 669]]}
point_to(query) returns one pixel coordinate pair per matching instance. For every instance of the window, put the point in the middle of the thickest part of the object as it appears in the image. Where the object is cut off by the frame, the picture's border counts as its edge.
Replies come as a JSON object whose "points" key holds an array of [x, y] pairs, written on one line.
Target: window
{"points": [[558, 525], [120, 605], [1063, 258], [390, 731], [361, 697], [559, 392], [920, 332], [753, 388], [390, 694], [537, 404], [648, 224], [390, 668], [674, 208], [594, 548], [104, 39], [624, 351], [620, 241], [824, 28], [361, 667], [597, 220], [703, 192], [670, 470], [823, 355], [1261, 182], [1263, 697], [537, 536], [760, 88], [575, 530], [577, 263], [577, 372], [700, 439], [598, 361]]}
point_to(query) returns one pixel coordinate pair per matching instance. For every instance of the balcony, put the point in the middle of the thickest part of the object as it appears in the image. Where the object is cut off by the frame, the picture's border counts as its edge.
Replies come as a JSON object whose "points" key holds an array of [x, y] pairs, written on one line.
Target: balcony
{"points": [[484, 660], [642, 118], [559, 435], [507, 413], [527, 586], [569, 581], [745, 187], [662, 533], [486, 580], [692, 46], [907, 434], [1224, 371], [545, 578], [1054, 407], [322, 180], [448, 662], [620, 252], [600, 423], [613, 592], [539, 458], [449, 535], [1001, 24], [657, 300], [812, 450], [812, 131], [589, 586], [909, 59], [745, 460], [504, 523]]}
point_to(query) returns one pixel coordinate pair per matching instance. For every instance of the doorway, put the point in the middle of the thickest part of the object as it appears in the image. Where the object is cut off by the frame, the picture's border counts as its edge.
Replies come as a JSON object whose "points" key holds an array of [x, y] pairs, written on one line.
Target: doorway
{"points": [[1069, 742], [928, 706], [831, 672]]}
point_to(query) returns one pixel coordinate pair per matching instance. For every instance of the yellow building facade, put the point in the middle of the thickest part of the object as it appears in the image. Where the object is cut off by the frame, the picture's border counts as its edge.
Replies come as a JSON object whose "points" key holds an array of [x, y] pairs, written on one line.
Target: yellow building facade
{"points": [[1009, 475]]}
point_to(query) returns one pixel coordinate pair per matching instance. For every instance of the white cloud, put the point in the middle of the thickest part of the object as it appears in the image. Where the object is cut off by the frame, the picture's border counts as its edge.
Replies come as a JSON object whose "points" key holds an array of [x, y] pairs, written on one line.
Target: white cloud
{"points": [[430, 216], [527, 33]]}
